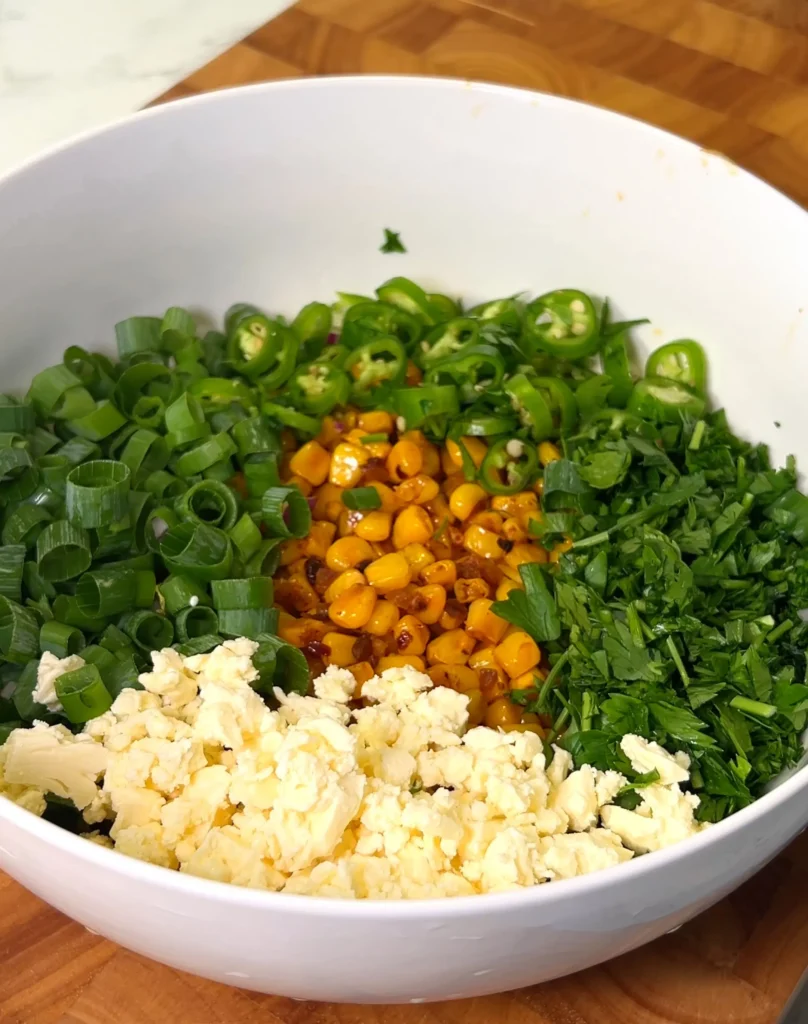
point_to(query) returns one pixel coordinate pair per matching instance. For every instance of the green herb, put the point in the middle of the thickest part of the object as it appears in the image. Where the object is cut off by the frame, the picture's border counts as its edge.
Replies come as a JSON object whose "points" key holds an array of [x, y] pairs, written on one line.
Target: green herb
{"points": [[392, 242]]}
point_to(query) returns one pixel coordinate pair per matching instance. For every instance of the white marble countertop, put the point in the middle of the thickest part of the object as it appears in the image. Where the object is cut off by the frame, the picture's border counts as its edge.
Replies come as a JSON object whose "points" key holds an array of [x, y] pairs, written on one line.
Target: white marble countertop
{"points": [[70, 65]]}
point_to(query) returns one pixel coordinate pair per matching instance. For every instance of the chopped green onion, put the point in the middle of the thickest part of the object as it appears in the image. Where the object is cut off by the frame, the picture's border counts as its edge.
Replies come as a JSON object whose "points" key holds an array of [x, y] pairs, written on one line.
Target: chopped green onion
{"points": [[82, 694], [62, 552], [19, 632], [60, 639], [149, 631], [362, 499], [286, 512], [97, 493]]}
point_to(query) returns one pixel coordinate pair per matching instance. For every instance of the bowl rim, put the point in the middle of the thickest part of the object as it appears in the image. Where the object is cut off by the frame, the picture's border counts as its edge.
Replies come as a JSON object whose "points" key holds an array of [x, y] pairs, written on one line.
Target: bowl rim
{"points": [[183, 884]]}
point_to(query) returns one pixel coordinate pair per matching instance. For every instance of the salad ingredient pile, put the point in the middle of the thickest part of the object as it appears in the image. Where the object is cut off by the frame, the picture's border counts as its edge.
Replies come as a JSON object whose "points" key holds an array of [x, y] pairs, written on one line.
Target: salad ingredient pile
{"points": [[395, 799], [491, 496]]}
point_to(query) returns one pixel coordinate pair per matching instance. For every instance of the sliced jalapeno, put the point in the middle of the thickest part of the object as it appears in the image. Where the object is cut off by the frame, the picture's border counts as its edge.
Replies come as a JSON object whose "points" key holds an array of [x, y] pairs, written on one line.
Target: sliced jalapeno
{"points": [[507, 313], [660, 398], [617, 367], [683, 361], [411, 297], [319, 386], [381, 361], [430, 408], [473, 369], [563, 323], [473, 424], [447, 339], [257, 346], [367, 319], [530, 405], [561, 400], [446, 307], [509, 466]]}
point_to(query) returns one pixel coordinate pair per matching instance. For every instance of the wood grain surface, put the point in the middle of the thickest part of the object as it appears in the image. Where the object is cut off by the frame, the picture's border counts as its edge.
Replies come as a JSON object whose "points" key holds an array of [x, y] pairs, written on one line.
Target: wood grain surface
{"points": [[733, 76]]}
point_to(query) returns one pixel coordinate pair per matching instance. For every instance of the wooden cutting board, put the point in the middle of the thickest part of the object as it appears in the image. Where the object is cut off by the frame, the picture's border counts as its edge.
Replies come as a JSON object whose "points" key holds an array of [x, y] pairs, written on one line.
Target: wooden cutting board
{"points": [[730, 74]]}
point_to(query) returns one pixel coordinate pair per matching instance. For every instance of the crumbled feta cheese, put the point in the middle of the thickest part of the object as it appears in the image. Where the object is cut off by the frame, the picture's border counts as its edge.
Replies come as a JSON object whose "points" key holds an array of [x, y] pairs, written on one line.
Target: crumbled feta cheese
{"points": [[48, 671], [397, 799], [647, 756], [51, 759]]}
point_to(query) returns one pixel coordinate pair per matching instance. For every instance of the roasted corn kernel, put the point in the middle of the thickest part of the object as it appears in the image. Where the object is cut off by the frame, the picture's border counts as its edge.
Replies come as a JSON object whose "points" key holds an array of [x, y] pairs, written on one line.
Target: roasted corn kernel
{"points": [[517, 653], [411, 635], [483, 624], [353, 608], [348, 552], [412, 526], [451, 648], [390, 572]]}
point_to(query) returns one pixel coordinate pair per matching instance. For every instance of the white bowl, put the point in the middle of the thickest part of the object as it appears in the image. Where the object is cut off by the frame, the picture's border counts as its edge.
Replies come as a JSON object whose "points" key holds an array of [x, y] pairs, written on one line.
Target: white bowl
{"points": [[278, 194]]}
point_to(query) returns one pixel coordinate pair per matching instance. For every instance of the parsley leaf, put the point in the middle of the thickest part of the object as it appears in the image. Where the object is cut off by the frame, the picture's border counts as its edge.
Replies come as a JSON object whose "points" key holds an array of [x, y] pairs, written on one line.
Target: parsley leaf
{"points": [[532, 609], [392, 242]]}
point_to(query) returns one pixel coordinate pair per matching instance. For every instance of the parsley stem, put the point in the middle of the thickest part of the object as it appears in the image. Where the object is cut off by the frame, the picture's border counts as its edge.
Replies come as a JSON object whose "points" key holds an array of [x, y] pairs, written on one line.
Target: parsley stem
{"points": [[548, 682], [558, 725], [677, 660], [753, 707]]}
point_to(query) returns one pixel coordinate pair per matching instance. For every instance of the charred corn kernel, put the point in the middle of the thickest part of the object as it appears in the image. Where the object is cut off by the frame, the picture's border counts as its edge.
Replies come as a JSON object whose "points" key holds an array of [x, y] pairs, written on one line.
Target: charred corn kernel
{"points": [[560, 549], [347, 464], [512, 529], [488, 519], [431, 466], [406, 459], [456, 677], [451, 483], [384, 617], [527, 681], [412, 526], [354, 607], [444, 573], [411, 635], [399, 661], [288, 442], [548, 453], [348, 552], [529, 718], [340, 649], [438, 509], [521, 554], [538, 487], [361, 671], [505, 588], [312, 462], [517, 653], [433, 601], [502, 712], [345, 580], [300, 632], [296, 594], [484, 658], [467, 591], [466, 499], [476, 708], [511, 573], [474, 446], [330, 434], [417, 490], [297, 567], [524, 727], [291, 551], [513, 504], [390, 572], [453, 615], [320, 536], [493, 684], [328, 494], [375, 422], [451, 648], [418, 557], [482, 542], [441, 548], [483, 624], [301, 483], [350, 418], [375, 525]]}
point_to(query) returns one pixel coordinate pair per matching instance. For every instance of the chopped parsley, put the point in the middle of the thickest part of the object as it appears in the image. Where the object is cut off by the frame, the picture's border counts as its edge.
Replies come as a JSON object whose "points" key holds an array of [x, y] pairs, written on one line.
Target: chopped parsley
{"points": [[392, 242]]}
